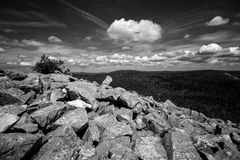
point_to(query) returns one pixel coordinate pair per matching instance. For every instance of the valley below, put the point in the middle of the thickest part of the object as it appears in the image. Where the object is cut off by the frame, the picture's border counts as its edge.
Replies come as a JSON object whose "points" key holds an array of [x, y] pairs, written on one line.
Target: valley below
{"points": [[214, 93]]}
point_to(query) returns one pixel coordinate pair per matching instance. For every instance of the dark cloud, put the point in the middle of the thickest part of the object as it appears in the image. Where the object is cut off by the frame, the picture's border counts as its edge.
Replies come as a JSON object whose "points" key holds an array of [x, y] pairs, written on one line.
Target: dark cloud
{"points": [[28, 19], [195, 59], [228, 55]]}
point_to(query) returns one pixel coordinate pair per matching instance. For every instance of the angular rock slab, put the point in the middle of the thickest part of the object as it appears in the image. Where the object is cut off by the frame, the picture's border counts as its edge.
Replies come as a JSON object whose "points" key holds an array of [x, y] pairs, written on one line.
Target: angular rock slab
{"points": [[131, 99], [7, 120], [57, 95], [110, 93], [179, 146], [83, 90], [107, 81], [93, 133], [16, 146], [6, 83], [61, 144], [50, 114], [156, 123], [106, 120], [116, 130], [13, 109], [25, 124], [11, 96], [118, 148], [75, 118], [112, 127], [31, 83], [106, 109], [124, 114], [16, 75], [216, 147], [149, 147], [61, 78]]}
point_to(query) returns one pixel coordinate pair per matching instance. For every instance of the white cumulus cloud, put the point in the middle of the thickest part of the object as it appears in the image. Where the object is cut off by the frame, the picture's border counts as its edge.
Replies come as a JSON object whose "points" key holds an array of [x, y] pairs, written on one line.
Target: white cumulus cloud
{"points": [[234, 50], [32, 42], [213, 47], [130, 30], [218, 20], [54, 39]]}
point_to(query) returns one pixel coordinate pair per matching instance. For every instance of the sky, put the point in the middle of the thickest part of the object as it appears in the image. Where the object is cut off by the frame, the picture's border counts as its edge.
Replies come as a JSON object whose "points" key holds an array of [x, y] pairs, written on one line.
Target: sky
{"points": [[109, 35]]}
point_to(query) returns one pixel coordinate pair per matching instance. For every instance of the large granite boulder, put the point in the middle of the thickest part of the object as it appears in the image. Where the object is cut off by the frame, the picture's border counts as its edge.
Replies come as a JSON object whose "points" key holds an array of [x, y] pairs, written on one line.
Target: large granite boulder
{"points": [[58, 95], [131, 100], [61, 78], [19, 146], [16, 75], [34, 82], [25, 124], [41, 101], [124, 114], [13, 109], [118, 148], [117, 129], [6, 83], [49, 114], [106, 120], [149, 147], [179, 145], [61, 144], [93, 133], [82, 90], [111, 94], [156, 123], [77, 119], [11, 96], [216, 147], [7, 120]]}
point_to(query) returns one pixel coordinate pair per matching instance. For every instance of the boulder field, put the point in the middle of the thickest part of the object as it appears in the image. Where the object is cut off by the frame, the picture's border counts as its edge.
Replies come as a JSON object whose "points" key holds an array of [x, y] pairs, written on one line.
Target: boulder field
{"points": [[59, 117]]}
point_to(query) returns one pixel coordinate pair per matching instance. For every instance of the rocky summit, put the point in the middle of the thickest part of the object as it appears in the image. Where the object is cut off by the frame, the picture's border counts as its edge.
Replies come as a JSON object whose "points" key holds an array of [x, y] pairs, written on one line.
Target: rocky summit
{"points": [[59, 117]]}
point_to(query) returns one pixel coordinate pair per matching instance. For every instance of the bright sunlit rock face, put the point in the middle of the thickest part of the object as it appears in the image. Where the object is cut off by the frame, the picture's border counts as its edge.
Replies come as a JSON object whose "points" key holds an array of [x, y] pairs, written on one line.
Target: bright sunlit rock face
{"points": [[130, 30]]}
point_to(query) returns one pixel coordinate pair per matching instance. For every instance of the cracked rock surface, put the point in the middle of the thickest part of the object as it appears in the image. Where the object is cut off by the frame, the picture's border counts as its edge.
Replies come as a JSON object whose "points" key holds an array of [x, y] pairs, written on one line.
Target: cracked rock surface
{"points": [[74, 119]]}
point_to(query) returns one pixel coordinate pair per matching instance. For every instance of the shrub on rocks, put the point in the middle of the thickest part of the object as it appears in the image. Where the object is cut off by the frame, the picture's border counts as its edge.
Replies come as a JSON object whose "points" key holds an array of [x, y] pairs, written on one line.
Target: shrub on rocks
{"points": [[48, 65]]}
